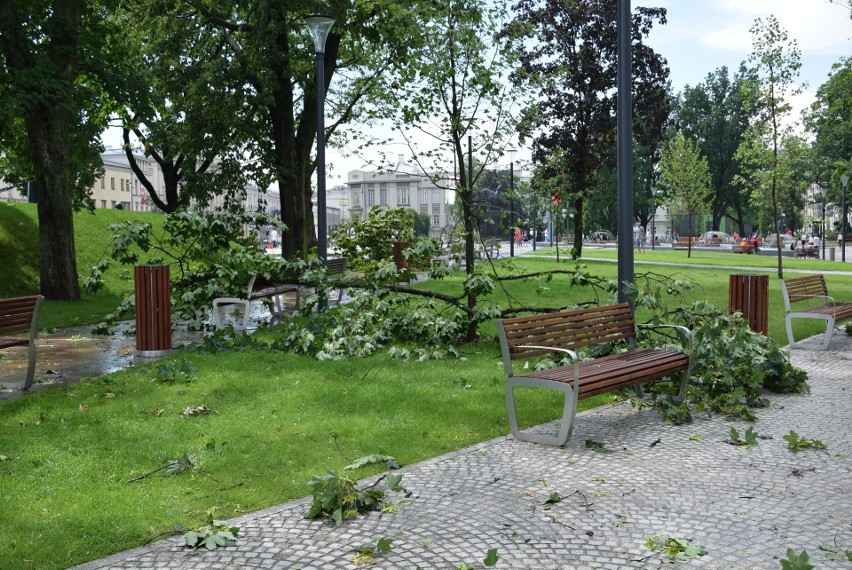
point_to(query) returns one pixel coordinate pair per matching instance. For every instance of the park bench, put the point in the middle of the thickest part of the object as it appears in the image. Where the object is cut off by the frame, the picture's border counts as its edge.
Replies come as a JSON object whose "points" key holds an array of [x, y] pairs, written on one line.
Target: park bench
{"points": [[260, 287], [806, 252], [567, 332], [488, 249], [812, 302], [742, 249], [452, 255], [21, 314]]}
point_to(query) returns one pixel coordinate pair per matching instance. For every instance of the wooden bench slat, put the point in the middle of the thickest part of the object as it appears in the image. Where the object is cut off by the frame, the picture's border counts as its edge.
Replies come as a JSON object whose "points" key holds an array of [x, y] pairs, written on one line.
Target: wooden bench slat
{"points": [[7, 342]]}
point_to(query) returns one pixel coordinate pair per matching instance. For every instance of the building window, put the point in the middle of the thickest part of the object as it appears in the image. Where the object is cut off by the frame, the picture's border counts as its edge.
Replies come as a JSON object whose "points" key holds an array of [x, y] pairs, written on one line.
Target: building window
{"points": [[371, 196], [103, 203], [127, 185], [436, 196], [103, 182], [436, 219], [403, 196], [383, 196], [121, 184], [113, 203], [111, 183], [423, 196]]}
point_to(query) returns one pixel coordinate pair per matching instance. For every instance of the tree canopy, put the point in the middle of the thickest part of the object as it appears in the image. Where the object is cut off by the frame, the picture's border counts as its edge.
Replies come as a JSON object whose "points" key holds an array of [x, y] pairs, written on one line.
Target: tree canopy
{"points": [[568, 58]]}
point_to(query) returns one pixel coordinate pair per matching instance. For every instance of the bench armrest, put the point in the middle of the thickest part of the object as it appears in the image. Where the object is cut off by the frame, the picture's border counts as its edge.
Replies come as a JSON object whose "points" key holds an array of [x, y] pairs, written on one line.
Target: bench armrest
{"points": [[827, 299], [686, 330], [567, 351]]}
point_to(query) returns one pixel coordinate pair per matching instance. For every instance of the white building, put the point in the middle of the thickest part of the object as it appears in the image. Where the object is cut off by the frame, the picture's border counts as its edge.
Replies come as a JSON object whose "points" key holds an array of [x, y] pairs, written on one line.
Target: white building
{"points": [[405, 187]]}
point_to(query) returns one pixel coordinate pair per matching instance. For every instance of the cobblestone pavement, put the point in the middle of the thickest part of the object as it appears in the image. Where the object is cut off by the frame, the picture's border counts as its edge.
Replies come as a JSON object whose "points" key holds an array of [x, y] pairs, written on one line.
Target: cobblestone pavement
{"points": [[745, 506]]}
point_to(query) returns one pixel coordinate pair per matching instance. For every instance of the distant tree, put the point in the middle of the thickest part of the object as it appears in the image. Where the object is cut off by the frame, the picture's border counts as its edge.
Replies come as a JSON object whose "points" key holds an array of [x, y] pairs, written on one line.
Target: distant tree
{"points": [[52, 66], [185, 108], [830, 121], [686, 177], [776, 62], [569, 61], [454, 96], [714, 114]]}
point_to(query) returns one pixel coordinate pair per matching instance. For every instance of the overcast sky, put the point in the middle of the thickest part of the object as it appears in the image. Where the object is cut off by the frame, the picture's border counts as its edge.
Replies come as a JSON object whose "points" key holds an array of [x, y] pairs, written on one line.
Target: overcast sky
{"points": [[703, 35]]}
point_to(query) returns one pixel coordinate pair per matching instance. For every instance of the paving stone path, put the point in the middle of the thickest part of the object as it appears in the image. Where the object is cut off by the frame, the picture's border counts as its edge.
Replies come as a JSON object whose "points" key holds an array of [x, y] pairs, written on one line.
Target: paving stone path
{"points": [[745, 506]]}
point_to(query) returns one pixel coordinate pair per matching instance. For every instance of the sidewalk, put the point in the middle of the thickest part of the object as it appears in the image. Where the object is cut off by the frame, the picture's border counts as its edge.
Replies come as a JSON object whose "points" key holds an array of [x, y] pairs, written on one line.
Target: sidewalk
{"points": [[745, 506]]}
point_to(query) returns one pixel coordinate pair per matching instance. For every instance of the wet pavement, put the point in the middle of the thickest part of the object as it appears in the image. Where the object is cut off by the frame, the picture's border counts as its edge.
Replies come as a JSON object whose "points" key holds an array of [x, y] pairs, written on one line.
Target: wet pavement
{"points": [[68, 355]]}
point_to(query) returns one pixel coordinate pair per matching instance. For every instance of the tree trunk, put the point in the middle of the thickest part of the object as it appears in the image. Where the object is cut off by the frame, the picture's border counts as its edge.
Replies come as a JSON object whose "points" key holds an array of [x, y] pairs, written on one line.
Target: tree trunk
{"points": [[578, 229], [47, 128]]}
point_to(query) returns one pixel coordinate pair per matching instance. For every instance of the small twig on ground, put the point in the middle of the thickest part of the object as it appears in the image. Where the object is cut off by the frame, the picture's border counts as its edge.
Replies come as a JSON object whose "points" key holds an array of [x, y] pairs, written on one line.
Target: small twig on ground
{"points": [[337, 445], [148, 474], [587, 504]]}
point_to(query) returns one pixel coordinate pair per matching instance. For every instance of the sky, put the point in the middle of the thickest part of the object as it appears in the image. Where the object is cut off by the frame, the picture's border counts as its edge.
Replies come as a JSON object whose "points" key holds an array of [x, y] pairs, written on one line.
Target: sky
{"points": [[699, 37]]}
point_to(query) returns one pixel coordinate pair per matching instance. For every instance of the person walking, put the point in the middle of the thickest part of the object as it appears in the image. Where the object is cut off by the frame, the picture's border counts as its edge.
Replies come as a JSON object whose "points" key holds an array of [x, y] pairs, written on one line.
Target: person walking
{"points": [[639, 237]]}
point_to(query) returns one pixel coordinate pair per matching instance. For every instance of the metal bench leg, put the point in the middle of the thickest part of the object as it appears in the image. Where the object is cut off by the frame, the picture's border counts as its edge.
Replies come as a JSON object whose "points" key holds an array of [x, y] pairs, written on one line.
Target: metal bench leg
{"points": [[791, 340], [32, 347], [31, 366], [829, 330], [225, 301], [569, 411]]}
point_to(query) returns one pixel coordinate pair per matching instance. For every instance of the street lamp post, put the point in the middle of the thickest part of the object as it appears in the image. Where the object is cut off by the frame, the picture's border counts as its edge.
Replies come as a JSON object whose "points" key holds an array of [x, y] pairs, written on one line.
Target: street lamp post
{"points": [[823, 191], [319, 26], [511, 152], [844, 180], [654, 191]]}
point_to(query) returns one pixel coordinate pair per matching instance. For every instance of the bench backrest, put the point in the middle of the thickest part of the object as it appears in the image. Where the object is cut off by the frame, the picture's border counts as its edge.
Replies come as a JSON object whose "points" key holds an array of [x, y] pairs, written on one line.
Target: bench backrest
{"points": [[19, 313], [803, 289], [566, 329], [336, 266]]}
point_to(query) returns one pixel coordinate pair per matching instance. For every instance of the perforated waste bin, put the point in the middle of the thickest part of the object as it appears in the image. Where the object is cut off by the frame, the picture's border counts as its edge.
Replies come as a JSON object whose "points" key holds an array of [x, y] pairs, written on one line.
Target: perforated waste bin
{"points": [[153, 310], [749, 295], [830, 253]]}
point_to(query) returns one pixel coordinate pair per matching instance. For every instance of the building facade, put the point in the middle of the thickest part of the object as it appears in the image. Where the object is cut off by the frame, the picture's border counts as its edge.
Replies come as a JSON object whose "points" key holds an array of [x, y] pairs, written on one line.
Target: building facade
{"points": [[405, 187]]}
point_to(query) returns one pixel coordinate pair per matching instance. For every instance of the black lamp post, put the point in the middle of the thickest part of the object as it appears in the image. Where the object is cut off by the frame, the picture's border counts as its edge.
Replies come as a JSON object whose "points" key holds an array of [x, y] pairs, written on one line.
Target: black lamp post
{"points": [[823, 191], [511, 152], [844, 180], [654, 191], [319, 26]]}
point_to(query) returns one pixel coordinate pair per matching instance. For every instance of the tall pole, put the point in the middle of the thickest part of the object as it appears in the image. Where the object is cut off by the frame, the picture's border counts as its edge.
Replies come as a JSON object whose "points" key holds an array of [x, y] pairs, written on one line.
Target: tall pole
{"points": [[824, 192], [844, 180], [535, 226], [624, 152], [511, 152], [653, 217], [319, 26]]}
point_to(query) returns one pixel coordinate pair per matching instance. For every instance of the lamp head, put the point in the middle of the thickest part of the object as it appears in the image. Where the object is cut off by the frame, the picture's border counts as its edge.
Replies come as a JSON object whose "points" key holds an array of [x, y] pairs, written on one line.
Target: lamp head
{"points": [[844, 180], [318, 26], [511, 152]]}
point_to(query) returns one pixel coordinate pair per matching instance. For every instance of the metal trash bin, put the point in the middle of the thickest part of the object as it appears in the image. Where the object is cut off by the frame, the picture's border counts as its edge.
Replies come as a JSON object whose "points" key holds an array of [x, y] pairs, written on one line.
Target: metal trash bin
{"points": [[749, 295], [153, 310], [831, 253]]}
